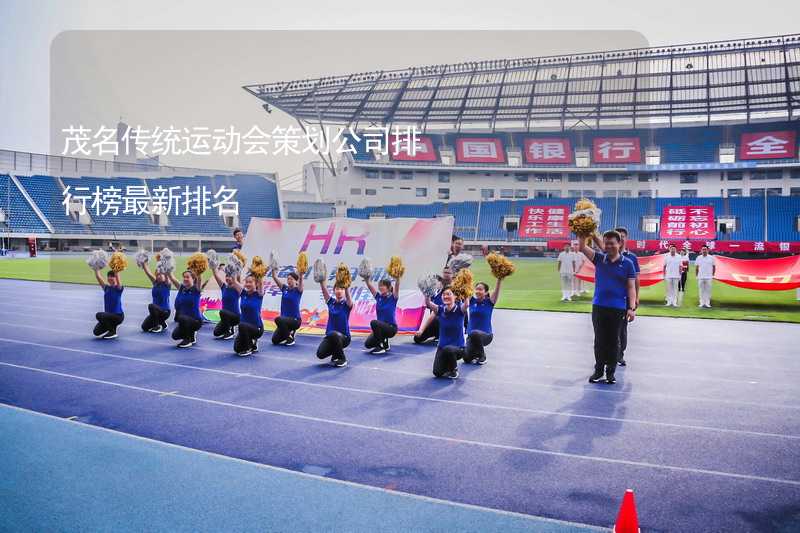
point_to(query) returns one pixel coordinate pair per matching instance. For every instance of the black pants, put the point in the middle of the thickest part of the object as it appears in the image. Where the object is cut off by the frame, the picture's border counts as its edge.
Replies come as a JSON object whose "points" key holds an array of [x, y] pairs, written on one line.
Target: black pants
{"points": [[285, 326], [623, 339], [476, 340], [186, 327], [446, 359], [247, 336], [607, 322], [333, 345], [157, 316], [682, 282], [381, 331], [431, 331], [227, 321], [107, 322]]}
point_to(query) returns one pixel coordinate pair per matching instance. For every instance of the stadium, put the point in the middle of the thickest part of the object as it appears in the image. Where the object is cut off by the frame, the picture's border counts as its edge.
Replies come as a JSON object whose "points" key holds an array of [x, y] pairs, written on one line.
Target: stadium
{"points": [[702, 425]]}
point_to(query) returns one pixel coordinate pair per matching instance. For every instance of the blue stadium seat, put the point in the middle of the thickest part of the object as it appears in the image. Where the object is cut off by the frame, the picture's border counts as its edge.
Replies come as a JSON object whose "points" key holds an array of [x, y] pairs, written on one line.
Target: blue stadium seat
{"points": [[20, 216], [47, 193], [112, 222]]}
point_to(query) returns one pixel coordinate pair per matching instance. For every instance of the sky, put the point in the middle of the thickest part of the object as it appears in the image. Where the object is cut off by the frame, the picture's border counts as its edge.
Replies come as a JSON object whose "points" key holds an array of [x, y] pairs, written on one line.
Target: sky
{"points": [[183, 63]]}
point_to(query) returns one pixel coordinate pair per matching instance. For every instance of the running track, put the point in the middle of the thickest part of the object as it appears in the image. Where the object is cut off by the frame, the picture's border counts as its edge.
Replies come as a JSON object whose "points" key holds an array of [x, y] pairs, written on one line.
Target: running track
{"points": [[704, 424]]}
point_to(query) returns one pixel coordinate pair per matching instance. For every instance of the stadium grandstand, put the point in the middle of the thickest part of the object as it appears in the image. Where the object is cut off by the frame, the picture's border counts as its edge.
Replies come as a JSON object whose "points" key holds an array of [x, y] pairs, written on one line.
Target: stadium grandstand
{"points": [[637, 130]]}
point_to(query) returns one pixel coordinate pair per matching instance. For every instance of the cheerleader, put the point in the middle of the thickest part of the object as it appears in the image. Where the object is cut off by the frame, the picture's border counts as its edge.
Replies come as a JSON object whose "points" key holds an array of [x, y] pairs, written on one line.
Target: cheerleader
{"points": [[112, 316], [287, 324], [450, 315], [337, 333], [159, 309], [479, 325], [430, 327], [385, 326], [229, 314], [187, 309], [251, 327]]}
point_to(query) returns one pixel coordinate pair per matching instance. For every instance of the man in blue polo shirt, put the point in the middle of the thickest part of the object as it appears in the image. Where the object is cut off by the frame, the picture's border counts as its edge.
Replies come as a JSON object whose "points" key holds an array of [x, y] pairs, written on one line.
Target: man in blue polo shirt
{"points": [[613, 303]]}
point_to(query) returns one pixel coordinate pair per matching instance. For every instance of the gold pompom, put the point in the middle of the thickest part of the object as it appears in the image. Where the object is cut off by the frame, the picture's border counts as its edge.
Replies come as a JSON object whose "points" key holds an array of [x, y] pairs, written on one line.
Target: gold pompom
{"points": [[302, 263], [197, 264], [240, 256], [583, 225], [584, 203], [343, 276], [501, 266], [396, 268], [118, 262], [462, 285], [257, 267]]}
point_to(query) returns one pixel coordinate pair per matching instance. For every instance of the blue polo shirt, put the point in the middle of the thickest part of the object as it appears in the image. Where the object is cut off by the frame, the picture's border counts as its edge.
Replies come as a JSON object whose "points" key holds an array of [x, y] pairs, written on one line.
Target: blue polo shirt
{"points": [[385, 307], [187, 302], [160, 294], [230, 299], [611, 280], [633, 258], [290, 302], [451, 326], [480, 315], [437, 298], [338, 317], [112, 299], [251, 308]]}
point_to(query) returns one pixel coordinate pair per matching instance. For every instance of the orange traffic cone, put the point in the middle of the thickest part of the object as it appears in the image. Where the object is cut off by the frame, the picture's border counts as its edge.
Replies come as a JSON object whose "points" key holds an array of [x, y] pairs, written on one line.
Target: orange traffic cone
{"points": [[627, 521]]}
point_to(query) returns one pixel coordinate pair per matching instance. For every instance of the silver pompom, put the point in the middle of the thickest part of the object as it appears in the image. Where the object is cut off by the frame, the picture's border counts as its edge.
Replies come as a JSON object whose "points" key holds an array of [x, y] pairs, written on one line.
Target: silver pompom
{"points": [[365, 269], [97, 260], [459, 262], [273, 261], [166, 261], [233, 267], [213, 259], [429, 285], [320, 271], [142, 257]]}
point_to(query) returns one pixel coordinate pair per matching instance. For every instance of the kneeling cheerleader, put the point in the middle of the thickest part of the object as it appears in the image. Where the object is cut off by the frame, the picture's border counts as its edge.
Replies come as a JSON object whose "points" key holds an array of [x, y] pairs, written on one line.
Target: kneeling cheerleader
{"points": [[481, 305], [337, 332], [450, 315], [384, 327], [188, 319], [158, 310], [287, 324], [109, 319], [229, 315]]}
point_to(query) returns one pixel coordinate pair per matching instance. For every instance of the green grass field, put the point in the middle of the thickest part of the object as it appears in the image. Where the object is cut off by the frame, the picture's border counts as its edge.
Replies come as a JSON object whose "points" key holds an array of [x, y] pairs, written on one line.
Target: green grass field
{"points": [[535, 286]]}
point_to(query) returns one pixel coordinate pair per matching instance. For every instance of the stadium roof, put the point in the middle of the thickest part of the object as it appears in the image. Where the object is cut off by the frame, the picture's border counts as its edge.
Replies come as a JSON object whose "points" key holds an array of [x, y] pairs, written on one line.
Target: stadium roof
{"points": [[715, 82]]}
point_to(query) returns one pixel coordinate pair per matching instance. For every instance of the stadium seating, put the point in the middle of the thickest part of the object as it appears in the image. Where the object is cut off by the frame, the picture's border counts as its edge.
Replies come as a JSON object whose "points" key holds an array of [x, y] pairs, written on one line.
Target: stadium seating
{"points": [[46, 191], [257, 197], [112, 221], [19, 214]]}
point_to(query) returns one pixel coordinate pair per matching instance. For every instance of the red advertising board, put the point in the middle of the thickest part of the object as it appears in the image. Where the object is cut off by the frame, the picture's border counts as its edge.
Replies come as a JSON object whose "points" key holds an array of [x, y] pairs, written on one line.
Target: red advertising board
{"points": [[616, 150], [653, 245], [651, 270], [406, 148], [480, 150], [768, 145], [544, 221], [548, 150], [688, 222]]}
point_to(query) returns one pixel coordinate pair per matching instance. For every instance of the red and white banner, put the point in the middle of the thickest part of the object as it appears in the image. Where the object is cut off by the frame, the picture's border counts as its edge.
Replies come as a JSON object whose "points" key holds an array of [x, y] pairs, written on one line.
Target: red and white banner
{"points": [[653, 245], [401, 148], [688, 222], [480, 150], [768, 145], [544, 221], [548, 151], [777, 274], [616, 150], [651, 270]]}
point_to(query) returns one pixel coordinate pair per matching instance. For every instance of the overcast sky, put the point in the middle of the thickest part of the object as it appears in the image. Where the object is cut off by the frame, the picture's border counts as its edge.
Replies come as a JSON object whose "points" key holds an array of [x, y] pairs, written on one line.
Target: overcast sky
{"points": [[193, 78]]}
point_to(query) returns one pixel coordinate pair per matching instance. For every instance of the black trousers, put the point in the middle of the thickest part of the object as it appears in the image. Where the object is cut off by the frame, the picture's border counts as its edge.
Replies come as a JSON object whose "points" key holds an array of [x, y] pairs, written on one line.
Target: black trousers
{"points": [[285, 326], [607, 323], [227, 321], [682, 281], [446, 359], [333, 345], [248, 334], [156, 316], [185, 327], [381, 331], [107, 322], [431, 331], [476, 340], [623, 339]]}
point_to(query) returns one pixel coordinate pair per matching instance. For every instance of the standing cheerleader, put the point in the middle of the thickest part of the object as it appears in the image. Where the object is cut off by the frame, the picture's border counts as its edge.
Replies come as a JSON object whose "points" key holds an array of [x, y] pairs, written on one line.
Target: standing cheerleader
{"points": [[479, 325], [159, 309], [229, 315], [337, 333], [430, 327], [450, 315], [112, 316], [251, 327], [287, 324], [187, 309], [385, 326]]}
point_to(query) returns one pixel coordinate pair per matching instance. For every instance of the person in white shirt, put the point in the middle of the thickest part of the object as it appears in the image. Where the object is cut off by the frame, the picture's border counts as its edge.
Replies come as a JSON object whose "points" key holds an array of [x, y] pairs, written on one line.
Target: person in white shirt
{"points": [[566, 269], [704, 270], [578, 287], [672, 275]]}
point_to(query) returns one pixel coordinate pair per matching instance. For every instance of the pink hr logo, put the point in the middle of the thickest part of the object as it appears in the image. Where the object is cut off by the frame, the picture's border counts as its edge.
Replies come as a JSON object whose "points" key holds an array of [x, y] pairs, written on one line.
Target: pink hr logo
{"points": [[326, 239]]}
